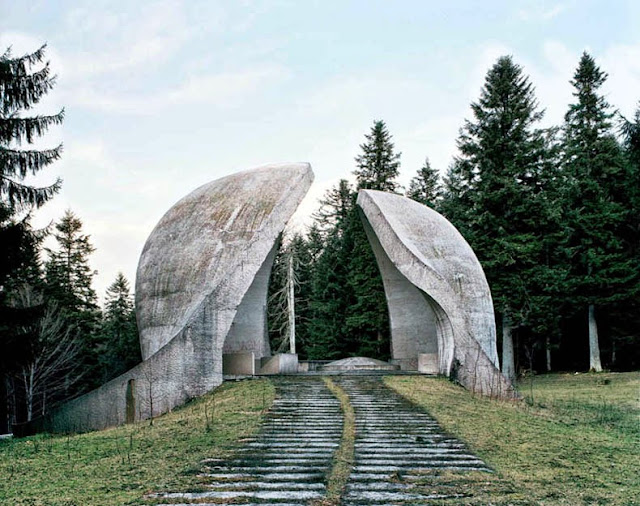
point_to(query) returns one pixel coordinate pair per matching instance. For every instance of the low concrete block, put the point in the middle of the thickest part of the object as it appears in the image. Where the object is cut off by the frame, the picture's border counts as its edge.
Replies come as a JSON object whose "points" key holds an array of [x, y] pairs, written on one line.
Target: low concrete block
{"points": [[428, 363], [282, 363], [239, 364]]}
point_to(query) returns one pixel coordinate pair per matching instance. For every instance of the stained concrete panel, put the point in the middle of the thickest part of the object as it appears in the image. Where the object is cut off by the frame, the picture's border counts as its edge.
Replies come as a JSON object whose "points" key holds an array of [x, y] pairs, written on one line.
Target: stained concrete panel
{"points": [[248, 331], [411, 317], [212, 243], [238, 364]]}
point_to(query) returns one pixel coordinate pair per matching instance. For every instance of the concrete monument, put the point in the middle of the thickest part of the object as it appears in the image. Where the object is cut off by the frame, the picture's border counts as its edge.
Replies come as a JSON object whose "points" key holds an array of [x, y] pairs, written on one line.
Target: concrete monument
{"points": [[201, 295]]}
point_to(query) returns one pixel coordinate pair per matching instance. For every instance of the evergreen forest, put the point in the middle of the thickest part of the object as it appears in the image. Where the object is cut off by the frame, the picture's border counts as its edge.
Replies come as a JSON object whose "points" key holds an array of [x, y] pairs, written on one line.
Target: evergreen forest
{"points": [[552, 214]]}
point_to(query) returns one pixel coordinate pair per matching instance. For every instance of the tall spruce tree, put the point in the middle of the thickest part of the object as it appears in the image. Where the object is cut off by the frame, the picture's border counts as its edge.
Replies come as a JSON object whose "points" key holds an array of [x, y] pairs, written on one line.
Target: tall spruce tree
{"points": [[457, 194], [425, 186], [330, 294], [119, 346], [497, 186], [24, 81], [377, 167], [594, 168], [366, 321], [625, 341], [69, 276], [21, 88], [68, 281]]}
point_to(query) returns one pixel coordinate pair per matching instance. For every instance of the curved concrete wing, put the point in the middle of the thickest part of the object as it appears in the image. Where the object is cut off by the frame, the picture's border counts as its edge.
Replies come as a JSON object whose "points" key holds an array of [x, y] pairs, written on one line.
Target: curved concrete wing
{"points": [[201, 291], [209, 248], [439, 301]]}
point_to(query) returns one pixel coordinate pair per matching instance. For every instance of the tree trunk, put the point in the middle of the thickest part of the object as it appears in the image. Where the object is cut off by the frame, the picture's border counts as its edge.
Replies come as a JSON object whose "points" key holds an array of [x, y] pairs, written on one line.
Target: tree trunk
{"points": [[594, 347], [4, 405], [292, 310], [613, 352], [547, 344], [508, 365], [28, 390]]}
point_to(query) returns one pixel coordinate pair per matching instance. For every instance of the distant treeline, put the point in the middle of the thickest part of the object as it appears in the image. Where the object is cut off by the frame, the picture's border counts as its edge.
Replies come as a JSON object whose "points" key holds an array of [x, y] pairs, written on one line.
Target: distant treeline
{"points": [[55, 342]]}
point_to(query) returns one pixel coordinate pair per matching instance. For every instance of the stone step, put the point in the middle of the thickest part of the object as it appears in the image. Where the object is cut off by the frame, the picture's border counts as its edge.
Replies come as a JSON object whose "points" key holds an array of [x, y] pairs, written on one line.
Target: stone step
{"points": [[270, 495], [393, 438], [414, 459], [288, 462], [294, 444], [267, 485], [392, 468], [301, 477]]}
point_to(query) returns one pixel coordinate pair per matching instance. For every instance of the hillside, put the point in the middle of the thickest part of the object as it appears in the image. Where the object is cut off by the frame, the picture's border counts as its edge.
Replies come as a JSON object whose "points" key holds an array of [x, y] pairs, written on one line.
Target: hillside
{"points": [[573, 440]]}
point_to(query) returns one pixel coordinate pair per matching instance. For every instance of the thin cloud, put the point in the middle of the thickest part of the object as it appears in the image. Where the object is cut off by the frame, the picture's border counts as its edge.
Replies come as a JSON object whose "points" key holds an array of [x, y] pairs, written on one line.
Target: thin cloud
{"points": [[540, 13], [224, 90], [138, 39]]}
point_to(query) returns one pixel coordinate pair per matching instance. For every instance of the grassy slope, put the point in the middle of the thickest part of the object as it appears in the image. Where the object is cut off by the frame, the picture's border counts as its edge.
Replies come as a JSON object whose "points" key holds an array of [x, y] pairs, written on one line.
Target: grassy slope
{"points": [[117, 466], [576, 442]]}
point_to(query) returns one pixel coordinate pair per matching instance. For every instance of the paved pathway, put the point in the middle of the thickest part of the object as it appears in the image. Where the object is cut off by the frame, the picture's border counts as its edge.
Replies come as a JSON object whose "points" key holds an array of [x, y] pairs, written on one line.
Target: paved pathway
{"points": [[288, 462], [395, 444]]}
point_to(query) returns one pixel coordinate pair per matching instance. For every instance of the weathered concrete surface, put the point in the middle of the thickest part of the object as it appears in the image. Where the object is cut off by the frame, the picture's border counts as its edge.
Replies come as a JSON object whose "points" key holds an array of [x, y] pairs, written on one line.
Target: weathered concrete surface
{"points": [[428, 363], [208, 250], [201, 288], [427, 266]]}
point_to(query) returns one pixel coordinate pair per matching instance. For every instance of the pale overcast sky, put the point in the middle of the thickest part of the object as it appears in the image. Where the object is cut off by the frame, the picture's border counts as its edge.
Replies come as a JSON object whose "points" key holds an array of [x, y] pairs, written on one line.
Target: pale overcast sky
{"points": [[162, 97]]}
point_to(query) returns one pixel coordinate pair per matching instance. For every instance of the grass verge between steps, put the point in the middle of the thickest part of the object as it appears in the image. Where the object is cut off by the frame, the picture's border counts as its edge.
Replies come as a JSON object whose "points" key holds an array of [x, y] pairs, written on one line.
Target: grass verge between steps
{"points": [[344, 456], [575, 441], [118, 466]]}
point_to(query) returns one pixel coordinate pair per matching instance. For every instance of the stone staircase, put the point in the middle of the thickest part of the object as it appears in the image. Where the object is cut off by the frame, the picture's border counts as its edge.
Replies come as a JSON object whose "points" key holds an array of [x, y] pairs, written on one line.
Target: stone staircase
{"points": [[288, 462], [396, 444]]}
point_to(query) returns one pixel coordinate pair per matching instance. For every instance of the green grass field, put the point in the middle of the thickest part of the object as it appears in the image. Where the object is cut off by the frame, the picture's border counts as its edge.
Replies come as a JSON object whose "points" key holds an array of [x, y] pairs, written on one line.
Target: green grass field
{"points": [[118, 466], [574, 440]]}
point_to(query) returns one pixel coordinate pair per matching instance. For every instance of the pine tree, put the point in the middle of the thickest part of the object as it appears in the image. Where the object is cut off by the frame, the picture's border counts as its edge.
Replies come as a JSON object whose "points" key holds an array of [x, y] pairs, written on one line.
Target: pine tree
{"points": [[593, 164], [69, 276], [625, 349], [425, 186], [366, 323], [334, 210], [330, 295], [21, 88], [498, 187], [378, 165], [119, 347], [68, 281], [457, 195], [23, 83]]}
